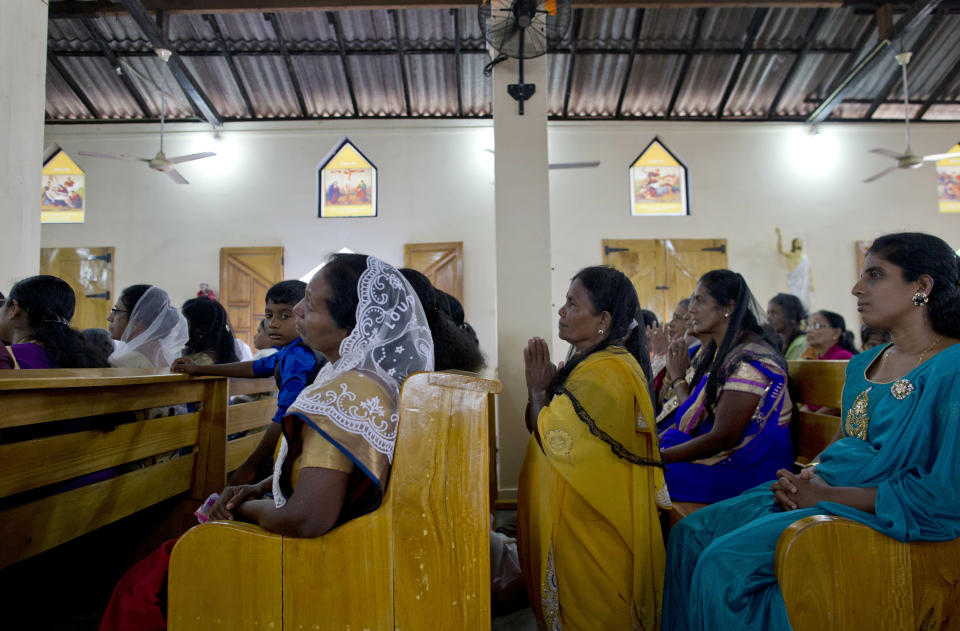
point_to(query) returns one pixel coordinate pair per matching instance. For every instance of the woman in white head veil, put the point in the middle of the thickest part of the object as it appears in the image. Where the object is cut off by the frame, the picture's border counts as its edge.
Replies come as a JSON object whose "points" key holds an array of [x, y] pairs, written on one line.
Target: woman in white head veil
{"points": [[340, 433], [152, 331]]}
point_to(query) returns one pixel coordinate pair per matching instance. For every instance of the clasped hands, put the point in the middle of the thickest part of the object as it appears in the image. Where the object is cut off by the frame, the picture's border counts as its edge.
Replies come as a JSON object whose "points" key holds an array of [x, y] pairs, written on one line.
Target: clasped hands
{"points": [[799, 490], [539, 370], [226, 508]]}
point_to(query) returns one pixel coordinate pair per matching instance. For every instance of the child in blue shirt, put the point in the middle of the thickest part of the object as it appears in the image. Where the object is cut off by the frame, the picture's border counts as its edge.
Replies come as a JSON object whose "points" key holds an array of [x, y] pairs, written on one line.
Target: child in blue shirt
{"points": [[293, 366]]}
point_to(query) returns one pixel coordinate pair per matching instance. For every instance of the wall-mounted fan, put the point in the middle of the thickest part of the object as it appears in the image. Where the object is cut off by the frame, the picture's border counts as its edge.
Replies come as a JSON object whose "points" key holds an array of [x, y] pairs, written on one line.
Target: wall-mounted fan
{"points": [[907, 159], [159, 162], [522, 29]]}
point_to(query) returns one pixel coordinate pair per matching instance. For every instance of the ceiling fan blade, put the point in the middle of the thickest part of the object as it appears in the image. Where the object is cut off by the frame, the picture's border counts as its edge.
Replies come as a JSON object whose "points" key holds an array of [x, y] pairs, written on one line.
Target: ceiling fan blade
{"points": [[888, 153], [881, 174], [176, 177], [113, 156], [936, 157], [575, 165], [192, 156]]}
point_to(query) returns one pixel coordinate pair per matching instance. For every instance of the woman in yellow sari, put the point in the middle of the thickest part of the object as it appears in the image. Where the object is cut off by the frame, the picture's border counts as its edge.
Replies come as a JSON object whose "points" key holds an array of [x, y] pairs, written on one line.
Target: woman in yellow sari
{"points": [[588, 528]]}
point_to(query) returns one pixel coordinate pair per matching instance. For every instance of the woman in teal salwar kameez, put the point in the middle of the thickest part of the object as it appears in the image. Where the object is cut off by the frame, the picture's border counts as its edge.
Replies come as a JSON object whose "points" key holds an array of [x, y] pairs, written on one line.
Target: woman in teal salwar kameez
{"points": [[894, 467]]}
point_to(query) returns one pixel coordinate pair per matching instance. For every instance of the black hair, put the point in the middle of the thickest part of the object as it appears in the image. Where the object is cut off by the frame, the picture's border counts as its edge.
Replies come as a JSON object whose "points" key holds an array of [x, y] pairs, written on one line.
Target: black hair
{"points": [[287, 292], [793, 311], [262, 326], [209, 330], [866, 332], [452, 306], [610, 290], [100, 341], [49, 303], [836, 321], [916, 253], [726, 286], [648, 318], [454, 347], [342, 273], [130, 296], [685, 303]]}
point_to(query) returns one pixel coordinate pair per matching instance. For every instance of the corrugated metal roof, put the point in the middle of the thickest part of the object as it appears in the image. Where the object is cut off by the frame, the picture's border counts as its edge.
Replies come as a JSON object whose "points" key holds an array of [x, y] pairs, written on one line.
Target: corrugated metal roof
{"points": [[606, 39], [757, 85]]}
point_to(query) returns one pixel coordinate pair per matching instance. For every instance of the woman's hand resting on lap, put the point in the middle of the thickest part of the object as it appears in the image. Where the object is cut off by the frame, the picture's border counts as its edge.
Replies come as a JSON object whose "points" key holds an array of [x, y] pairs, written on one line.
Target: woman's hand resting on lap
{"points": [[792, 491], [231, 498]]}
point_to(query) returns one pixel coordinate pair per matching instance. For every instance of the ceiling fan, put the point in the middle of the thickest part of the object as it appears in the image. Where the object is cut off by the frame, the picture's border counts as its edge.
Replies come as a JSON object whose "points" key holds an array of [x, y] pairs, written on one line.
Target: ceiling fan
{"points": [[907, 159], [159, 162], [592, 164]]}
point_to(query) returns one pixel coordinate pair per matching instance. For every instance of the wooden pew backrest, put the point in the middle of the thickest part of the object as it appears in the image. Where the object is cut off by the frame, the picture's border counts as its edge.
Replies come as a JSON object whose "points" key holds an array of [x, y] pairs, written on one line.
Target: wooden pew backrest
{"points": [[836, 575], [420, 561], [30, 460], [819, 383], [248, 416]]}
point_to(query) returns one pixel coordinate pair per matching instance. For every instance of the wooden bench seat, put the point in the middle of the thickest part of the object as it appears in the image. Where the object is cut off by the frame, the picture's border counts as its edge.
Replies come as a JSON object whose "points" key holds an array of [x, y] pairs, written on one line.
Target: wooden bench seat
{"points": [[76, 448], [420, 561]]}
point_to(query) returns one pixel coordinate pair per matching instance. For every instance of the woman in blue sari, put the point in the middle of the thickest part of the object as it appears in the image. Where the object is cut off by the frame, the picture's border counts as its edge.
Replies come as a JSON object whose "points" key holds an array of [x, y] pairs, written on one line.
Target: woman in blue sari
{"points": [[893, 467], [732, 429]]}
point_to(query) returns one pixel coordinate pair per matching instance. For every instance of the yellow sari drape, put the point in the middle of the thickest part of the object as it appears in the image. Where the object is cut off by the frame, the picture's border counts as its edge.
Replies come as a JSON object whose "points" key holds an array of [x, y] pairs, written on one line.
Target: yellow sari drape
{"points": [[588, 528]]}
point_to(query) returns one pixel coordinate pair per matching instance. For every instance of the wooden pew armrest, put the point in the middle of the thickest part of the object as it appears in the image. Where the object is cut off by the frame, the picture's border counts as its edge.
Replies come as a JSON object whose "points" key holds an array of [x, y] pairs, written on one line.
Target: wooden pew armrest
{"points": [[836, 573]]}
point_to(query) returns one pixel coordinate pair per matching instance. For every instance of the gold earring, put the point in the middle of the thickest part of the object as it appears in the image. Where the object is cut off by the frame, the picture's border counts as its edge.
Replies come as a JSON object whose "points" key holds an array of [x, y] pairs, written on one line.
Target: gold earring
{"points": [[920, 299]]}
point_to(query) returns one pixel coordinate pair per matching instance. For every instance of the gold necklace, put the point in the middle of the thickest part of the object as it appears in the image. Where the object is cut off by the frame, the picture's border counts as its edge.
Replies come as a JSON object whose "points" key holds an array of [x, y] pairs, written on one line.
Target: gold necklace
{"points": [[886, 353]]}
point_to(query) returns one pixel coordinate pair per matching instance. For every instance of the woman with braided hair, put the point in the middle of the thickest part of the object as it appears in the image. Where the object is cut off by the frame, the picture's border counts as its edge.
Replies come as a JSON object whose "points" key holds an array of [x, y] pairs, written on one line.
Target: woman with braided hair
{"points": [[588, 531]]}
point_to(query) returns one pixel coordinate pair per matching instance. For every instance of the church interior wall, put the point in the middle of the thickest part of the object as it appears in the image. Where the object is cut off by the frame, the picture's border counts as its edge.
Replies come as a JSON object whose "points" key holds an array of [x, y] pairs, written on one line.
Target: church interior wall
{"points": [[436, 184]]}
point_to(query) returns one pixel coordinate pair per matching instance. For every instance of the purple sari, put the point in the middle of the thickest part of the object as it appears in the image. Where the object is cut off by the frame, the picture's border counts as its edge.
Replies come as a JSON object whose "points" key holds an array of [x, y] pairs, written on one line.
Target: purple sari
{"points": [[30, 356]]}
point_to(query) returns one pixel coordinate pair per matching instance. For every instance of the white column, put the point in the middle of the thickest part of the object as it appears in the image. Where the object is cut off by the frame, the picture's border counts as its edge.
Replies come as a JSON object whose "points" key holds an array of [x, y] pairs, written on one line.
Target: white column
{"points": [[23, 65], [523, 248]]}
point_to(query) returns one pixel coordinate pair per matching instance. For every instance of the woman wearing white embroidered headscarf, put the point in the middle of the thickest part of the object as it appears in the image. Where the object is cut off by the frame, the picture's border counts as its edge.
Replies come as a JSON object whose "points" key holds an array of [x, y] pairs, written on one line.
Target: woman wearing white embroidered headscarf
{"points": [[150, 332], [339, 435]]}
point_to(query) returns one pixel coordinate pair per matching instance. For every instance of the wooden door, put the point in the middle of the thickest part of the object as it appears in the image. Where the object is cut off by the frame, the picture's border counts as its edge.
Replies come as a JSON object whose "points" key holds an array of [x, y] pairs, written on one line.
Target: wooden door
{"points": [[641, 262], [664, 271], [442, 263], [245, 276], [89, 271]]}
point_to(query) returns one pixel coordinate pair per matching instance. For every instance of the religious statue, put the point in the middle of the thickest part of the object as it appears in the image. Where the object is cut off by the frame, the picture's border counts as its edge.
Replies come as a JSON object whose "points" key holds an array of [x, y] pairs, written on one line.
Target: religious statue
{"points": [[799, 274]]}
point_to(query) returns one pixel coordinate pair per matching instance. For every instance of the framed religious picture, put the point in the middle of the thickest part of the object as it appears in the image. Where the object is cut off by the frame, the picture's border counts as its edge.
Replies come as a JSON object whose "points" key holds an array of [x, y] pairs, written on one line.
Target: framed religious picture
{"points": [[63, 193], [948, 183], [659, 184], [346, 184]]}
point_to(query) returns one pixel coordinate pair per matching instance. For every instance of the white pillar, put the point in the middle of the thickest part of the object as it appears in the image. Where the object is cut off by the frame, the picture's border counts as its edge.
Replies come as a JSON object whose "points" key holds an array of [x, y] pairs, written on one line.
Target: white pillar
{"points": [[523, 248], [23, 65]]}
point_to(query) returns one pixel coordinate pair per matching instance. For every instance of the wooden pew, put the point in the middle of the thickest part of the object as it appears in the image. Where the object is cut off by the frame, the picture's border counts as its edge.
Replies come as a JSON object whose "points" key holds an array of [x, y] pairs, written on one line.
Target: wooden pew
{"points": [[38, 402], [819, 383], [813, 382], [838, 574], [420, 561], [248, 416]]}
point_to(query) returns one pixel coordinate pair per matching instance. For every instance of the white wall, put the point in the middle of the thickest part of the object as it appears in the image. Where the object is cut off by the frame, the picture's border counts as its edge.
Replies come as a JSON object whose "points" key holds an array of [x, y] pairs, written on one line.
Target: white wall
{"points": [[436, 185]]}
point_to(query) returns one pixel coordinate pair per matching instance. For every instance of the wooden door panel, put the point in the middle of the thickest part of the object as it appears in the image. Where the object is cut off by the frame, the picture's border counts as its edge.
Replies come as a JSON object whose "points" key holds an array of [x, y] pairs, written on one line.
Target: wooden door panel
{"points": [[89, 272], [639, 261], [442, 263], [664, 271], [246, 274], [686, 260]]}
